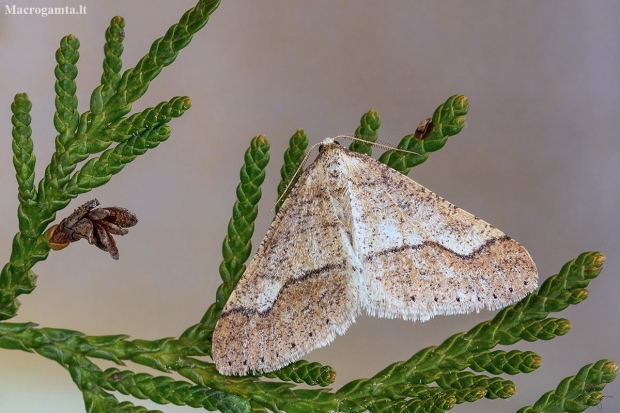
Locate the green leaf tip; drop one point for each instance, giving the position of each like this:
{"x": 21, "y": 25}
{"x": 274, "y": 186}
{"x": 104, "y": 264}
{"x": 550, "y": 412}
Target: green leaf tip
{"x": 67, "y": 53}
{"x": 303, "y": 371}
{"x": 24, "y": 159}
{"x": 293, "y": 157}
{"x": 66, "y": 116}
{"x": 137, "y": 134}
{"x": 164, "y": 51}
{"x": 512, "y": 362}
{"x": 369, "y": 125}
{"x": 237, "y": 244}
{"x": 123, "y": 129}
{"x": 166, "y": 390}
{"x": 577, "y": 393}
{"x": 448, "y": 120}
{"x": 495, "y": 387}
{"x": 112, "y": 63}
{"x": 439, "y": 402}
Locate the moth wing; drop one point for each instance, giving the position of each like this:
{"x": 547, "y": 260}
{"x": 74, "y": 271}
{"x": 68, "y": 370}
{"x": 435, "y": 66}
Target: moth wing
{"x": 105, "y": 242}
{"x": 113, "y": 228}
{"x": 300, "y": 290}
{"x": 82, "y": 229}
{"x": 121, "y": 217}
{"x": 98, "y": 214}
{"x": 422, "y": 255}
{"x": 80, "y": 212}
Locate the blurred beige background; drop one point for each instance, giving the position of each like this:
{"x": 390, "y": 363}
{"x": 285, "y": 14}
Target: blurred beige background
{"x": 539, "y": 159}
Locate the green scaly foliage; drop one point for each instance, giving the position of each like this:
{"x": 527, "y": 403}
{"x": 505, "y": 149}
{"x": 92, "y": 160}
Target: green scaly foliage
{"x": 367, "y": 130}
{"x": 293, "y": 157}
{"x": 107, "y": 138}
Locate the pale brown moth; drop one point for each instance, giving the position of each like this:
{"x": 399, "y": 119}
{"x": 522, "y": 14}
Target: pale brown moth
{"x": 355, "y": 235}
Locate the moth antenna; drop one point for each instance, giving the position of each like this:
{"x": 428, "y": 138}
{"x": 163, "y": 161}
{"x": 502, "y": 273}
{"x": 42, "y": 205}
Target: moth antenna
{"x": 300, "y": 168}
{"x": 379, "y": 143}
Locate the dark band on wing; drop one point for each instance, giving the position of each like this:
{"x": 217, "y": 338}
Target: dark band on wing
{"x": 318, "y": 271}
{"x": 308, "y": 274}
{"x": 437, "y": 245}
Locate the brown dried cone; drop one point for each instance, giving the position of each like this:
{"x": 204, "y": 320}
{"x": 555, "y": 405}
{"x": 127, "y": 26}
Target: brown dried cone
{"x": 424, "y": 128}
{"x": 96, "y": 225}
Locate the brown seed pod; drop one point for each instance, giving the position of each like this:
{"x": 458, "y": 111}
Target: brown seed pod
{"x": 424, "y": 128}
{"x": 96, "y": 225}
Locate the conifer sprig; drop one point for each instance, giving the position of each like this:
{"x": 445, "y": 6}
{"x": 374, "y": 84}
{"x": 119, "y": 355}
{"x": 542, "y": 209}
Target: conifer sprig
{"x": 577, "y": 393}
{"x": 23, "y": 152}
{"x": 165, "y": 390}
{"x": 369, "y": 125}
{"x": 448, "y": 120}
{"x": 112, "y": 63}
{"x": 238, "y": 242}
{"x": 83, "y": 135}
{"x": 16, "y": 277}
{"x": 403, "y": 386}
{"x": 510, "y": 325}
{"x": 66, "y": 116}
{"x": 434, "y": 379}
{"x": 293, "y": 157}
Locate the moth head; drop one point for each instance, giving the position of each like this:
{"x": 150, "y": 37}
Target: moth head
{"x": 327, "y": 142}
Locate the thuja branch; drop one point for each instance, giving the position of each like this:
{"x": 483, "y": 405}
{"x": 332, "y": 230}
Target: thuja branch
{"x": 368, "y": 131}
{"x": 83, "y": 135}
{"x": 28, "y": 247}
{"x": 524, "y": 320}
{"x": 237, "y": 244}
{"x": 293, "y": 157}
{"x": 433, "y": 380}
{"x": 577, "y": 393}
{"x": 402, "y": 386}
{"x": 73, "y": 349}
{"x": 448, "y": 120}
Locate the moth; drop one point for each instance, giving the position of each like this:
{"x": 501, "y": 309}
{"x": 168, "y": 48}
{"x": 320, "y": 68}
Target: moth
{"x": 94, "y": 224}
{"x": 355, "y": 235}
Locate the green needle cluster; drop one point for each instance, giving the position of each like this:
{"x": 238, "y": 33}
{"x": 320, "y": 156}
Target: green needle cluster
{"x": 448, "y": 120}
{"x": 462, "y": 369}
{"x": 367, "y": 130}
{"x": 293, "y": 157}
